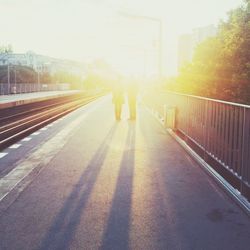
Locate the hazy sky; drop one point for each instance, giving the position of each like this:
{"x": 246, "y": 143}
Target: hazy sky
{"x": 89, "y": 29}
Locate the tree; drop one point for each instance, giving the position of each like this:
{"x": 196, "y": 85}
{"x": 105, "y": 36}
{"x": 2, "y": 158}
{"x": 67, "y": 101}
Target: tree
{"x": 6, "y": 49}
{"x": 221, "y": 65}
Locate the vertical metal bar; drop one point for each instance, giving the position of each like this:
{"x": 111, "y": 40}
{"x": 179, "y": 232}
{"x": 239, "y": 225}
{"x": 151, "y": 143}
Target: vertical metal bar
{"x": 198, "y": 121}
{"x": 206, "y": 128}
{"x": 221, "y": 132}
{"x": 203, "y": 124}
{"x": 231, "y": 136}
{"x": 217, "y": 152}
{"x": 237, "y": 158}
{"x": 218, "y": 143}
{"x": 224, "y": 134}
{"x": 247, "y": 143}
{"x": 209, "y": 126}
{"x": 213, "y": 128}
{"x": 228, "y": 135}
{"x": 234, "y": 148}
{"x": 240, "y": 141}
{"x": 244, "y": 150}
{"x": 217, "y": 137}
{"x": 189, "y": 115}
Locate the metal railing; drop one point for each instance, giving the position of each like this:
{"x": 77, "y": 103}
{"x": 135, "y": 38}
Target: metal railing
{"x": 218, "y": 131}
{"x": 7, "y": 89}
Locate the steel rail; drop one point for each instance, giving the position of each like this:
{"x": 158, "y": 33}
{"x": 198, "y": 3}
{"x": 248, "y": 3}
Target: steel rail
{"x": 27, "y": 126}
{"x": 58, "y": 101}
{"x": 26, "y": 120}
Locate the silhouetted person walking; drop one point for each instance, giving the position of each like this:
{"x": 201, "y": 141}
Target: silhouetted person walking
{"x": 132, "y": 90}
{"x": 118, "y": 100}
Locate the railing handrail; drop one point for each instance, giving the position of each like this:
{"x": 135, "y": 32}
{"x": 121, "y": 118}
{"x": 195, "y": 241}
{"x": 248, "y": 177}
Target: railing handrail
{"x": 216, "y": 130}
{"x": 209, "y": 99}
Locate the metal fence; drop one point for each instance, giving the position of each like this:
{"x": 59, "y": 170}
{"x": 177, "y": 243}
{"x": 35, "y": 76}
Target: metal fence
{"x": 218, "y": 131}
{"x": 7, "y": 89}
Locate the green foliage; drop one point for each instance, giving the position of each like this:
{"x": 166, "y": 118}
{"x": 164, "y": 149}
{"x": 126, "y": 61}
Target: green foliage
{"x": 100, "y": 75}
{"x": 6, "y": 49}
{"x": 221, "y": 65}
{"x": 93, "y": 81}
{"x": 65, "y": 77}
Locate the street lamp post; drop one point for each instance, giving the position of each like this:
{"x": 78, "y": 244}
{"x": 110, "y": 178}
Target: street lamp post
{"x": 8, "y": 79}
{"x": 159, "y": 22}
{"x": 38, "y": 77}
{"x": 15, "y": 77}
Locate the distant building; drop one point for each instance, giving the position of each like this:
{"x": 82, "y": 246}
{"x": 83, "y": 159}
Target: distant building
{"x": 202, "y": 33}
{"x": 42, "y": 63}
{"x": 188, "y": 42}
{"x": 185, "y": 49}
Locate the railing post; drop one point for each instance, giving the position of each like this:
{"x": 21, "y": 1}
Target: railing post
{"x": 245, "y": 151}
{"x": 205, "y": 130}
{"x": 188, "y": 115}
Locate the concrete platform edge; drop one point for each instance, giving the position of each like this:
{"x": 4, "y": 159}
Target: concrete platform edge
{"x": 32, "y": 166}
{"x": 32, "y": 100}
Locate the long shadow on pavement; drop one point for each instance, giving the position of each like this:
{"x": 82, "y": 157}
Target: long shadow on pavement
{"x": 116, "y": 235}
{"x": 59, "y": 235}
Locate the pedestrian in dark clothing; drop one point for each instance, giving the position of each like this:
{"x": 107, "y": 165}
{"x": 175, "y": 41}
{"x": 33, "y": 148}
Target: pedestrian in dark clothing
{"x": 132, "y": 90}
{"x": 118, "y": 100}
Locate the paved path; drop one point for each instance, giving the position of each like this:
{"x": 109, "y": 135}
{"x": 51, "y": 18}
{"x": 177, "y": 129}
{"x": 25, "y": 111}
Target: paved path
{"x": 125, "y": 185}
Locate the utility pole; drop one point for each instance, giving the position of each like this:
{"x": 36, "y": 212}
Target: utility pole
{"x": 8, "y": 78}
{"x": 15, "y": 76}
{"x": 38, "y": 77}
{"x": 15, "y": 89}
{"x": 145, "y": 63}
{"x": 159, "y": 22}
{"x": 160, "y": 48}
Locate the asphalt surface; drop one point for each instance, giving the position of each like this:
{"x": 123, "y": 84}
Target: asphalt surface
{"x": 116, "y": 185}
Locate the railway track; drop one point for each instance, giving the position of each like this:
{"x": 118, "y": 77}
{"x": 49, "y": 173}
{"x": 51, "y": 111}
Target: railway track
{"x": 18, "y": 125}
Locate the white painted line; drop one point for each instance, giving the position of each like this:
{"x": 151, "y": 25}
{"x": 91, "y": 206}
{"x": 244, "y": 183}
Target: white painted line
{"x": 40, "y": 157}
{"x": 3, "y": 154}
{"x": 36, "y": 133}
{"x": 27, "y": 139}
{"x": 50, "y": 125}
{"x": 15, "y": 146}
{"x": 43, "y": 129}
